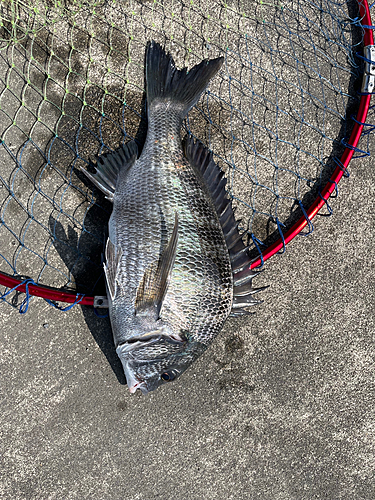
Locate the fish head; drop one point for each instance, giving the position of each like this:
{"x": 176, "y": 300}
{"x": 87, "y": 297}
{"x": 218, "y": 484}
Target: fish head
{"x": 157, "y": 361}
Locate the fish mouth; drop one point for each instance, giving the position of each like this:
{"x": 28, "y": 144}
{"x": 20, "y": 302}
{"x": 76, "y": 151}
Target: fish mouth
{"x": 133, "y": 383}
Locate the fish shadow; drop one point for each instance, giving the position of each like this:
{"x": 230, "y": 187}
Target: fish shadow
{"x": 82, "y": 252}
{"x": 83, "y": 258}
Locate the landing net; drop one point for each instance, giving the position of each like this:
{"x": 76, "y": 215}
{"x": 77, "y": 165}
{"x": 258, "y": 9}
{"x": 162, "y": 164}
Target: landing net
{"x": 278, "y": 117}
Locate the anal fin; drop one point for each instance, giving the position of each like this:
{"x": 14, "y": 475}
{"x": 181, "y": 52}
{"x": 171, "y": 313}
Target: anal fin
{"x": 108, "y": 167}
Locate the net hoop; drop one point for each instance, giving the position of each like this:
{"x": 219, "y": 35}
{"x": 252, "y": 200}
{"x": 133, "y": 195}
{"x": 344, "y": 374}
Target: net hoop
{"x": 53, "y": 294}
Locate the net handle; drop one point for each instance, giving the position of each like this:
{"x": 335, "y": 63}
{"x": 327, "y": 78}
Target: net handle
{"x": 45, "y": 292}
{"x": 368, "y": 39}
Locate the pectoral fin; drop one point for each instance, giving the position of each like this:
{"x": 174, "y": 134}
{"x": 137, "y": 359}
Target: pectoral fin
{"x": 112, "y": 259}
{"x": 153, "y": 286}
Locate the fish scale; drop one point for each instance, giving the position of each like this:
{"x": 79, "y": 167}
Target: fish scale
{"x": 159, "y": 188}
{"x": 175, "y": 265}
{"x": 163, "y": 182}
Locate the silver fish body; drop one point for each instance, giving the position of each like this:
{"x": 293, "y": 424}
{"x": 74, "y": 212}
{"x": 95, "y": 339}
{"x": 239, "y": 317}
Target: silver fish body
{"x": 171, "y": 276}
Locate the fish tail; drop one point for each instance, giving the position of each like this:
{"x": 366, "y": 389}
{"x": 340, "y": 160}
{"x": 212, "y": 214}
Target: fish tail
{"x": 166, "y": 82}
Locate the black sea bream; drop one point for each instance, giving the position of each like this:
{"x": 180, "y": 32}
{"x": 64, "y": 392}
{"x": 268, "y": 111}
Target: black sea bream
{"x": 176, "y": 266}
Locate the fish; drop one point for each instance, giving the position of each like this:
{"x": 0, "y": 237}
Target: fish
{"x": 176, "y": 266}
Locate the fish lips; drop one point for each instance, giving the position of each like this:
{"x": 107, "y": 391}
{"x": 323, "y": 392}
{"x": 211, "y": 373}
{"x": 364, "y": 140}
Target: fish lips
{"x": 133, "y": 383}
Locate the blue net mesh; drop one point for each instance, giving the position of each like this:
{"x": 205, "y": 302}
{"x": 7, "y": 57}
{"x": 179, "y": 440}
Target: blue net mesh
{"x": 72, "y": 87}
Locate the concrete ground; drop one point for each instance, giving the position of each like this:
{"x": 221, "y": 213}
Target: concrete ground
{"x": 281, "y": 407}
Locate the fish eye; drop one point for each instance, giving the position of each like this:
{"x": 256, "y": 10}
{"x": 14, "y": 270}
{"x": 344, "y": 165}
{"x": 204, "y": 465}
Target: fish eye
{"x": 168, "y": 376}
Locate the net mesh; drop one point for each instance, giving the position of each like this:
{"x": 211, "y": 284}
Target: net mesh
{"x": 72, "y": 87}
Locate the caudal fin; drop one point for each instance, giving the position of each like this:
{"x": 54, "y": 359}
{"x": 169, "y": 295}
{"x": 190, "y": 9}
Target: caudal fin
{"x": 166, "y": 82}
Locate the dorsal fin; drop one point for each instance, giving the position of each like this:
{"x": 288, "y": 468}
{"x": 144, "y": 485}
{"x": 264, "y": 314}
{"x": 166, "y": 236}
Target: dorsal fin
{"x": 109, "y": 165}
{"x": 153, "y": 286}
{"x": 201, "y": 159}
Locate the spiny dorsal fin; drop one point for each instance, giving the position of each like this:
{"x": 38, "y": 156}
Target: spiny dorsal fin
{"x": 112, "y": 259}
{"x": 201, "y": 159}
{"x": 108, "y": 167}
{"x": 153, "y": 286}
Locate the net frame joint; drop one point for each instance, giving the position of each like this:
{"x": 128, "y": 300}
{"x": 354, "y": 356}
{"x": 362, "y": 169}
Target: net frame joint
{"x": 101, "y": 302}
{"x": 368, "y": 82}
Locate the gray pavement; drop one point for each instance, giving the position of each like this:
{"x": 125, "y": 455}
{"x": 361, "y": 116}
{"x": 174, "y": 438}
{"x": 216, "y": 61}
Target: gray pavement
{"x": 281, "y": 407}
